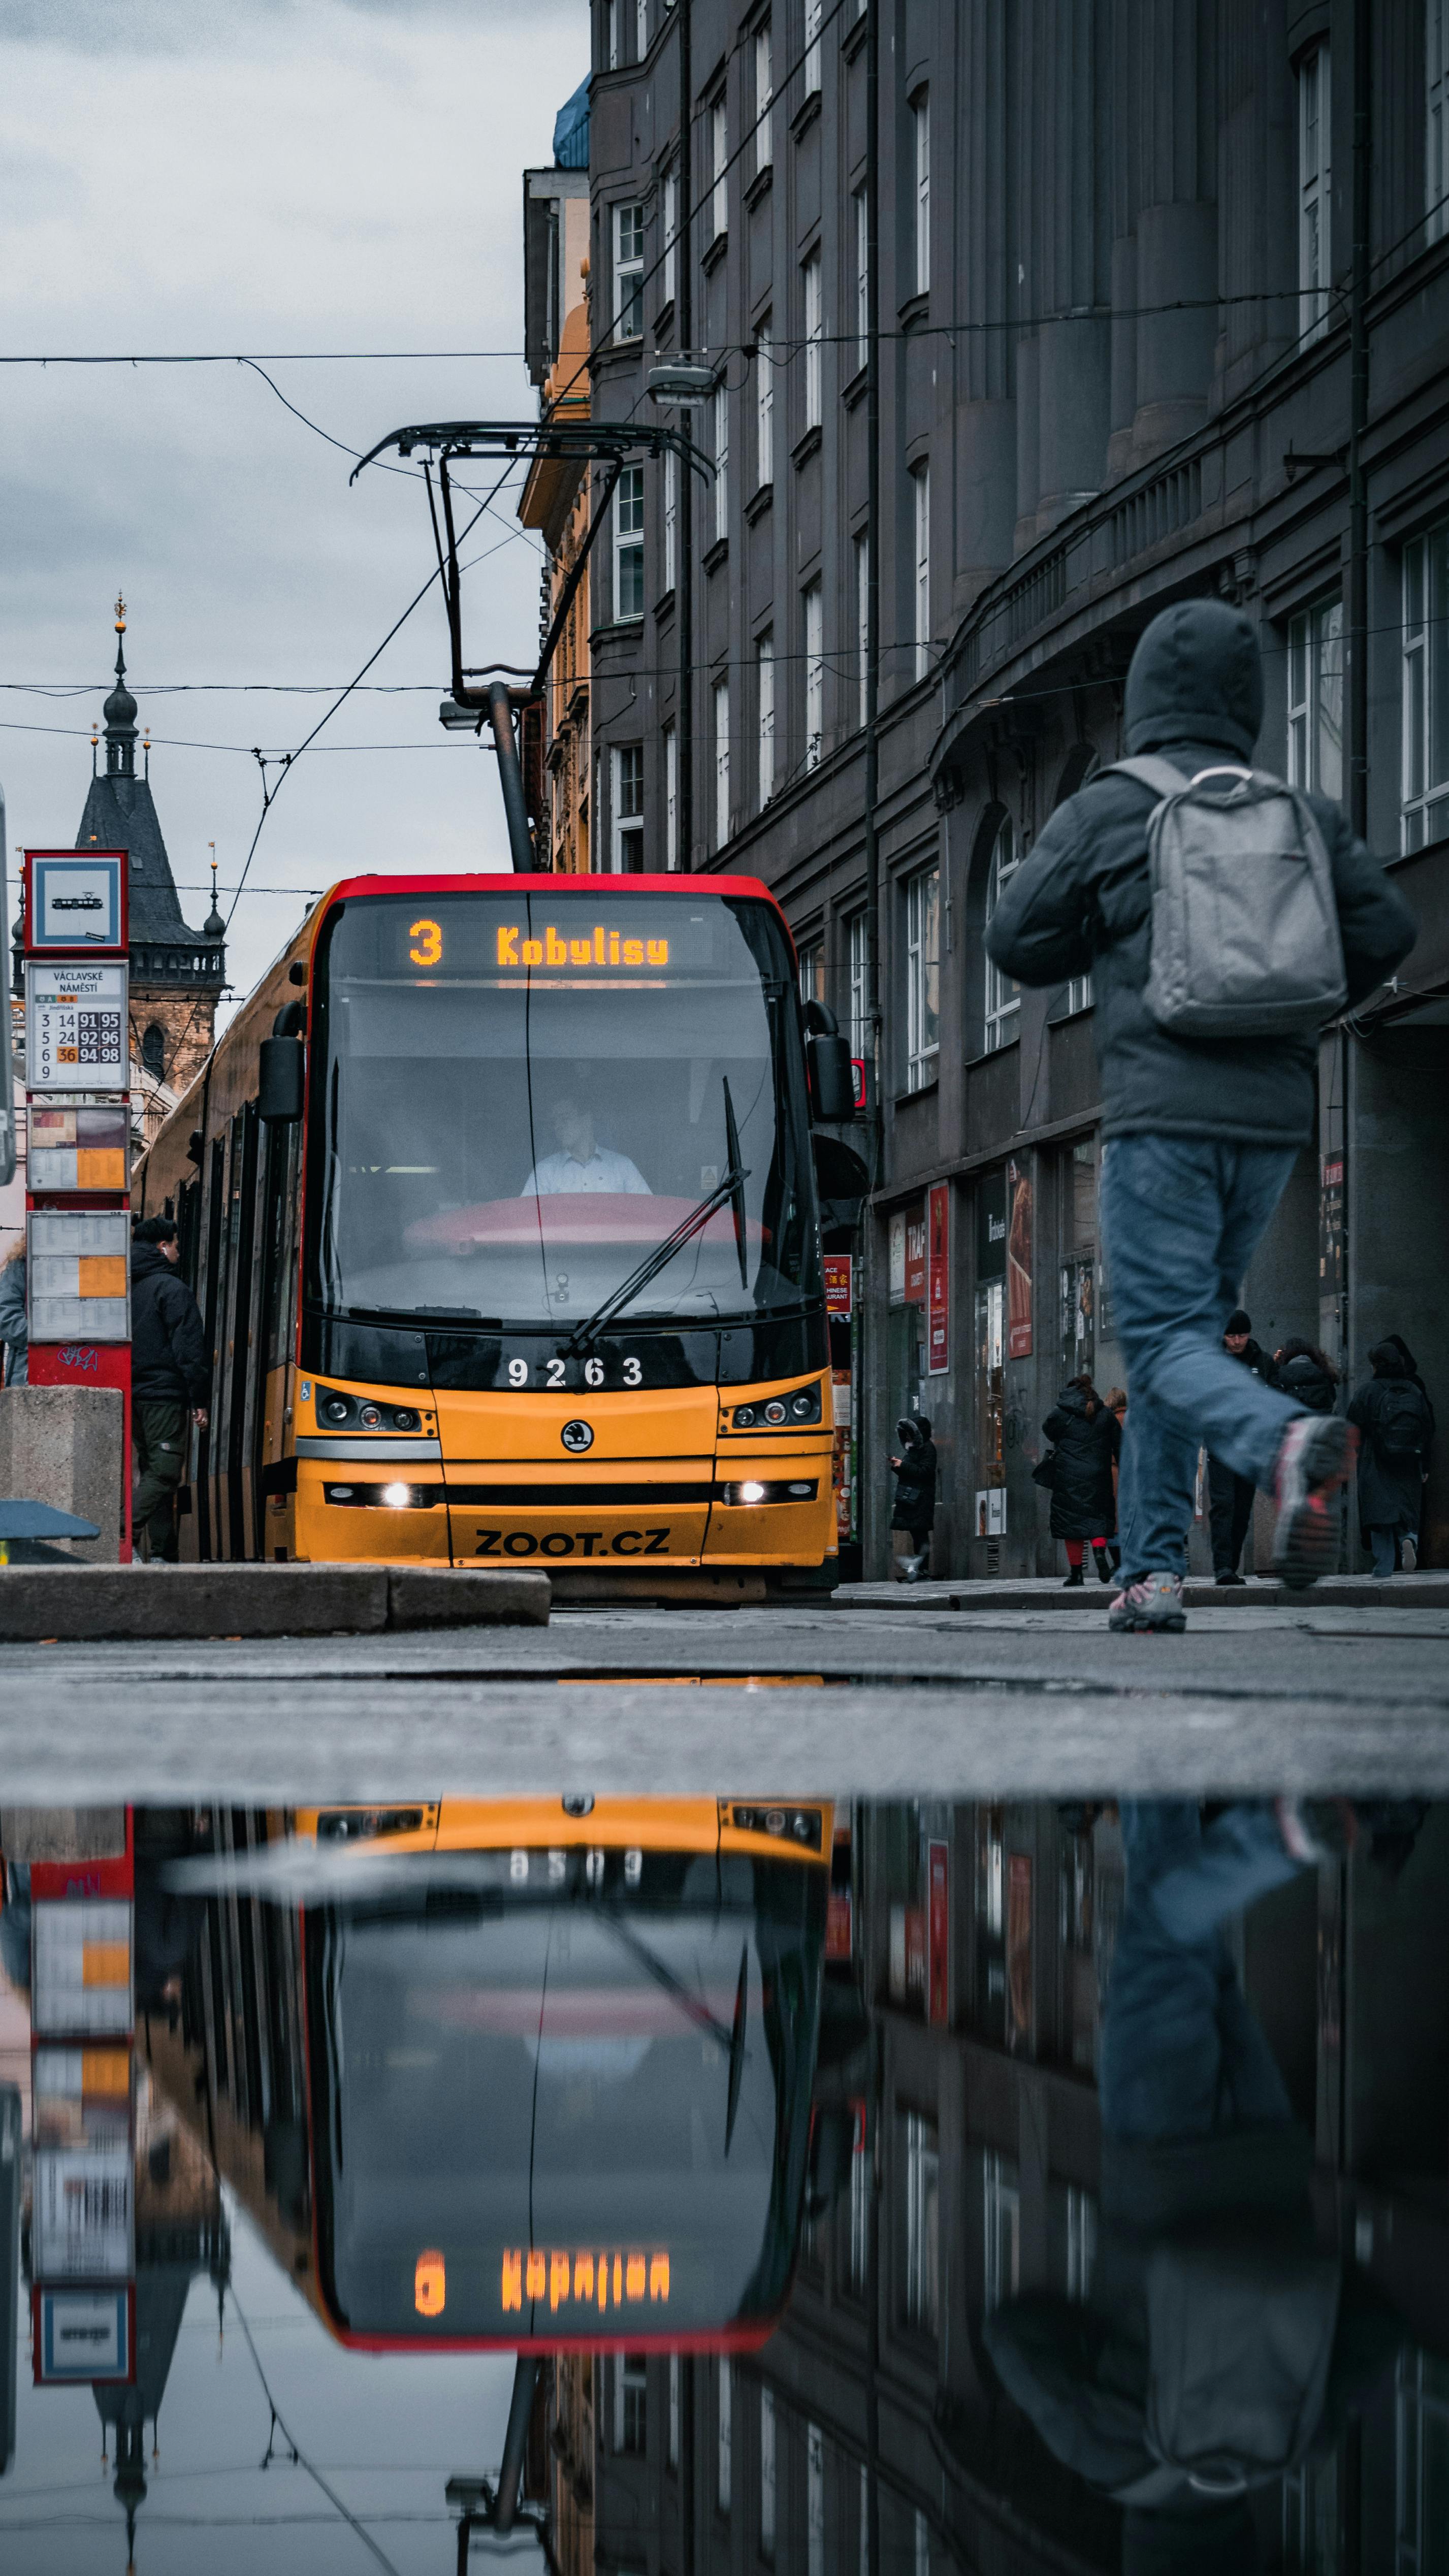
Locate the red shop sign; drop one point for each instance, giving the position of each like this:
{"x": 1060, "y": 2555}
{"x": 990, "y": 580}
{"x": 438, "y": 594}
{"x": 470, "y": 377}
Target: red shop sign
{"x": 938, "y": 1280}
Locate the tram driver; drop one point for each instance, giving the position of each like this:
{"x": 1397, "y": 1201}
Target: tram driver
{"x": 581, "y": 1163}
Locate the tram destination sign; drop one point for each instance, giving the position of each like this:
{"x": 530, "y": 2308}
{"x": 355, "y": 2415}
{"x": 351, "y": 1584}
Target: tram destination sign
{"x": 76, "y": 1026}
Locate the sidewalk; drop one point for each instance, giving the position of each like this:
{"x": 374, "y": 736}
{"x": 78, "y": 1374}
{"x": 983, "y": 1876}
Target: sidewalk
{"x": 1048, "y": 1592}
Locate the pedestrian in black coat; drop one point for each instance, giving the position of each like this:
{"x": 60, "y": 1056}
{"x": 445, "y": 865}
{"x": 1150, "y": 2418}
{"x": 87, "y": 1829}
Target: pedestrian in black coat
{"x": 914, "y": 1510}
{"x": 1306, "y": 1373}
{"x": 1230, "y": 1496}
{"x": 1397, "y": 1422}
{"x": 1084, "y": 1433}
{"x": 170, "y": 1378}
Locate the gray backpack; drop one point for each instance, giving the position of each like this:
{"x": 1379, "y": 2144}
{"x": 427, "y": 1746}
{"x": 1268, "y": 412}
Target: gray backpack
{"x": 1245, "y": 939}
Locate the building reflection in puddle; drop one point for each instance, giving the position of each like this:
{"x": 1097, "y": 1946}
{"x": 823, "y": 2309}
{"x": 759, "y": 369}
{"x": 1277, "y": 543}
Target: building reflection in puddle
{"x": 892, "y": 2186}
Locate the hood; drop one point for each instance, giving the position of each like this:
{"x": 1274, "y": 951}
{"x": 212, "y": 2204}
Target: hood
{"x": 1196, "y": 676}
{"x": 1072, "y": 1399}
{"x": 146, "y": 1258}
{"x": 1386, "y": 1359}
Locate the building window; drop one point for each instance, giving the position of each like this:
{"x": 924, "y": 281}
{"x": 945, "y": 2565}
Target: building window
{"x": 719, "y": 148}
{"x": 923, "y": 2545}
{"x": 814, "y": 12}
{"x": 923, "y": 2178}
{"x": 922, "y": 977}
{"x": 765, "y": 672}
{"x": 857, "y": 943}
{"x": 725, "y": 2452}
{"x": 921, "y": 125}
{"x": 629, "y": 544}
{"x": 671, "y": 229}
{"x": 1003, "y": 997}
{"x": 612, "y": 12}
{"x": 814, "y": 675}
{"x": 671, "y": 518}
{"x": 858, "y": 2256}
{"x": 153, "y": 1051}
{"x": 862, "y": 622}
{"x": 626, "y": 795}
{"x": 1436, "y": 83}
{"x": 814, "y": 329}
{"x": 721, "y": 461}
{"x": 1315, "y": 698}
{"x": 764, "y": 404}
{"x": 1315, "y": 193}
{"x": 628, "y": 272}
{"x": 814, "y": 2501}
{"x": 630, "y": 2402}
{"x": 674, "y": 2410}
{"x": 810, "y": 971}
{"x": 671, "y": 797}
{"x": 1426, "y": 689}
{"x": 1081, "y": 2242}
{"x": 1001, "y": 2228}
{"x": 641, "y": 28}
{"x": 764, "y": 96}
{"x": 767, "y": 2474}
{"x": 921, "y": 482}
{"x": 861, "y": 204}
{"x": 721, "y": 763}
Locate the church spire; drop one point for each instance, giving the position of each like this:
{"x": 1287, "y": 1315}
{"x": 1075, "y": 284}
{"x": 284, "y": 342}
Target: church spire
{"x": 120, "y": 710}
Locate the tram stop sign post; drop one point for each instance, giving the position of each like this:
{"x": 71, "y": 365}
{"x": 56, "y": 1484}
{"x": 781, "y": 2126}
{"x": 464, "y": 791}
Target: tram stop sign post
{"x": 77, "y": 1083}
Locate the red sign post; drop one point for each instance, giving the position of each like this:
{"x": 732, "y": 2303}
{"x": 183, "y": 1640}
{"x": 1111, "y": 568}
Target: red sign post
{"x": 938, "y": 1280}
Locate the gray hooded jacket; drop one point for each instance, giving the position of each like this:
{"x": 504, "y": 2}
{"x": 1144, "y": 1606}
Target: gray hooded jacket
{"x": 1082, "y": 901}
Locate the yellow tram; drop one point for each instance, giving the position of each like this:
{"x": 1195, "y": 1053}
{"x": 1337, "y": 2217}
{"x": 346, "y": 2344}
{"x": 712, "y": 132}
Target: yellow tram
{"x": 499, "y": 1201}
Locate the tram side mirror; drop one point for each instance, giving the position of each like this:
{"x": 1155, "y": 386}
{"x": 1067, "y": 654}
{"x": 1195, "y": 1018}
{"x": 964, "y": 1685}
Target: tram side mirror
{"x": 279, "y": 1091}
{"x": 832, "y": 1082}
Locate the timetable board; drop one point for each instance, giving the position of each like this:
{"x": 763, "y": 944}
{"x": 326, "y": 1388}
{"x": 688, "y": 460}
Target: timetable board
{"x": 76, "y": 1027}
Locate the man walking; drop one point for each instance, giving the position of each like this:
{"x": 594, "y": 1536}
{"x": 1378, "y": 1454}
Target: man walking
{"x": 1230, "y": 1495}
{"x": 1201, "y": 1132}
{"x": 170, "y": 1376}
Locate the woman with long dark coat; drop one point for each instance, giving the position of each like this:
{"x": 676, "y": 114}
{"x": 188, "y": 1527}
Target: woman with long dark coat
{"x": 1084, "y": 1434}
{"x": 1396, "y": 1423}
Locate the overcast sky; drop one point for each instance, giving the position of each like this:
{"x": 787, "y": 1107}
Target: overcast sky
{"x": 268, "y": 176}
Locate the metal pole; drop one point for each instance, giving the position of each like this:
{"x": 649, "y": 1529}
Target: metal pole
{"x": 510, "y": 776}
{"x": 684, "y": 319}
{"x": 1358, "y": 398}
{"x": 874, "y": 1047}
{"x": 515, "y": 2442}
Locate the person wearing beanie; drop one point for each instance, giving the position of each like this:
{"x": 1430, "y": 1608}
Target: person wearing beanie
{"x": 1397, "y": 1422}
{"x": 1231, "y": 1495}
{"x": 1200, "y": 1134}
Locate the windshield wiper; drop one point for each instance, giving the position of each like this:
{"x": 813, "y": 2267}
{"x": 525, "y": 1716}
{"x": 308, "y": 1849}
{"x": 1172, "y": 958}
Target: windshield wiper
{"x": 422, "y": 1316}
{"x": 731, "y": 1188}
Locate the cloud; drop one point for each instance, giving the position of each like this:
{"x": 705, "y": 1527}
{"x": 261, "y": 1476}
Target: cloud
{"x": 295, "y": 175}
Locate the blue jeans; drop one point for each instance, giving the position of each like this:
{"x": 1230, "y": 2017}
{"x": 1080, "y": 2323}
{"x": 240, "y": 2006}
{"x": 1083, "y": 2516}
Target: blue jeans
{"x": 1181, "y": 1219}
{"x": 1183, "y": 2054}
{"x": 1384, "y": 1543}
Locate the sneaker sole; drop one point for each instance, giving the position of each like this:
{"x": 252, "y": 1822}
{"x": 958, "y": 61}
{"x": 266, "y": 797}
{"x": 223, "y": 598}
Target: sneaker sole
{"x": 1149, "y": 1627}
{"x": 1305, "y": 1537}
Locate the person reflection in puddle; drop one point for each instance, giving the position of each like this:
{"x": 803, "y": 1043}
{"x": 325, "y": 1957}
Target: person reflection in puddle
{"x": 1219, "y": 2344}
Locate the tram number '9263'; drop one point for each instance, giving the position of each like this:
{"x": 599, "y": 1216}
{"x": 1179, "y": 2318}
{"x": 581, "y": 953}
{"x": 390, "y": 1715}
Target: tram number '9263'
{"x": 628, "y": 1542}
{"x": 554, "y": 1373}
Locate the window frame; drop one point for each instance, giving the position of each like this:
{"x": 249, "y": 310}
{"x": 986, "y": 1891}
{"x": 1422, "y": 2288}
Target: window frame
{"x": 669, "y": 222}
{"x": 812, "y": 601}
{"x": 814, "y": 12}
{"x": 764, "y": 402}
{"x": 719, "y": 155}
{"x": 720, "y": 702}
{"x": 860, "y": 550}
{"x": 671, "y": 799}
{"x": 764, "y": 55}
{"x": 921, "y": 581}
{"x": 1311, "y": 638}
{"x": 626, "y": 819}
{"x": 923, "y": 957}
{"x": 860, "y": 200}
{"x": 1315, "y": 192}
{"x": 1001, "y": 1000}
{"x": 724, "y": 2438}
{"x": 628, "y": 541}
{"x": 671, "y": 518}
{"x": 628, "y": 271}
{"x": 1436, "y": 119}
{"x": 921, "y": 216}
{"x": 812, "y": 290}
{"x": 857, "y": 952}
{"x": 765, "y": 737}
{"x": 720, "y": 434}
{"x": 1423, "y": 799}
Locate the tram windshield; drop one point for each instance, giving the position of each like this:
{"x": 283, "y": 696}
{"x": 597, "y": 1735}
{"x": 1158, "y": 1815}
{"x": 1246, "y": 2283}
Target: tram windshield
{"x": 592, "y": 2115}
{"x": 519, "y": 1098}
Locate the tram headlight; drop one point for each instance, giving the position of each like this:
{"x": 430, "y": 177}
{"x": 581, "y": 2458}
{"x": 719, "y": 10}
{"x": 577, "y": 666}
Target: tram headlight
{"x": 797, "y": 1407}
{"x": 397, "y": 1497}
{"x": 370, "y": 1417}
{"x": 799, "y": 1825}
{"x": 752, "y": 1489}
{"x": 748, "y": 1493}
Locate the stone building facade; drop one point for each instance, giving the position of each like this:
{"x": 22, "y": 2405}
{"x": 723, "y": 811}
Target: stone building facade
{"x": 1024, "y": 322}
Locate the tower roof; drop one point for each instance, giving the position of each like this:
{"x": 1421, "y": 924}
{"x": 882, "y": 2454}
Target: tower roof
{"x": 120, "y": 814}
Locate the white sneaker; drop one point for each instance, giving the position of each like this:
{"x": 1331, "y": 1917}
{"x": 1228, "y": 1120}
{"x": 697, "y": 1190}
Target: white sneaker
{"x": 1151, "y": 1605}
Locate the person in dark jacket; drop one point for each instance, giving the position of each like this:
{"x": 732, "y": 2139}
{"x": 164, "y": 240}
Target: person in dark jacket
{"x": 1083, "y": 1434}
{"x": 170, "y": 1376}
{"x": 1200, "y": 1134}
{"x": 914, "y": 1511}
{"x": 1306, "y": 1373}
{"x": 1271, "y": 2335}
{"x": 14, "y": 1331}
{"x": 1231, "y": 1495}
{"x": 1397, "y": 1421}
